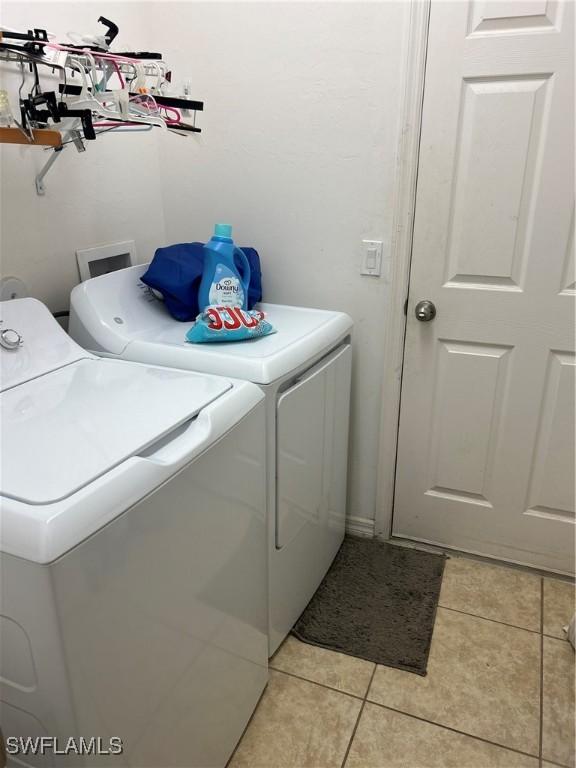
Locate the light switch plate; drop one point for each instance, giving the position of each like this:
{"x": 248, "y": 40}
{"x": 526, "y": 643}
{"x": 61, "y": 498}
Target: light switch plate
{"x": 371, "y": 258}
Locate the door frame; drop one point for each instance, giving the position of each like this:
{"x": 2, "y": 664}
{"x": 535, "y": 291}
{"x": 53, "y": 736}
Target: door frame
{"x": 394, "y": 321}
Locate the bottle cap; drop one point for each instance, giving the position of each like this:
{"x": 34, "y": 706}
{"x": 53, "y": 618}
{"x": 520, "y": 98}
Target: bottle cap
{"x": 223, "y": 230}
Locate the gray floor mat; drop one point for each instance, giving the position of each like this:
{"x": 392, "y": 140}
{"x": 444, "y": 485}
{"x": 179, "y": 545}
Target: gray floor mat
{"x": 377, "y": 602}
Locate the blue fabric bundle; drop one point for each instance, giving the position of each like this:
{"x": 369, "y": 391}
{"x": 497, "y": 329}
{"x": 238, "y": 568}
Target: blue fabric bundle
{"x": 176, "y": 272}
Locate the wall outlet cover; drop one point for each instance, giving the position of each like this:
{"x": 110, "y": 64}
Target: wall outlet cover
{"x": 93, "y": 262}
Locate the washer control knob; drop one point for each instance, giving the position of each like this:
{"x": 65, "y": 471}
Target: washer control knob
{"x": 10, "y": 339}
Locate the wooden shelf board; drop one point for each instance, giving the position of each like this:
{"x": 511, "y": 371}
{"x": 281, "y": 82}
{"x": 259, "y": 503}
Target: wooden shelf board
{"x": 43, "y": 137}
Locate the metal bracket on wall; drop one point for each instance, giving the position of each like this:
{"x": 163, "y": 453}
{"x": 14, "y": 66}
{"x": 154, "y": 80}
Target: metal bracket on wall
{"x": 73, "y": 135}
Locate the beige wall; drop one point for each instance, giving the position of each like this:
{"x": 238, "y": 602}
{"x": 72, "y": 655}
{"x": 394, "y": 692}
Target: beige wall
{"x": 299, "y": 153}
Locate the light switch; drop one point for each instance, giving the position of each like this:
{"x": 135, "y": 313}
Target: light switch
{"x": 371, "y": 258}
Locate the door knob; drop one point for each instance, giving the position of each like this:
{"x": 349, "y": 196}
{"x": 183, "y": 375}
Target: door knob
{"x": 425, "y": 311}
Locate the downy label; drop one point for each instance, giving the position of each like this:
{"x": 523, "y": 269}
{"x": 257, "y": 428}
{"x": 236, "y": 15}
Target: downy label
{"x": 226, "y": 288}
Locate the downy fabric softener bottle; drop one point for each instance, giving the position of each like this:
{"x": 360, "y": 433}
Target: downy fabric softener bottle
{"x": 223, "y": 284}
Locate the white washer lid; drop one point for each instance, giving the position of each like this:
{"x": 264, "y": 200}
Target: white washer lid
{"x": 62, "y": 430}
{"x": 116, "y": 314}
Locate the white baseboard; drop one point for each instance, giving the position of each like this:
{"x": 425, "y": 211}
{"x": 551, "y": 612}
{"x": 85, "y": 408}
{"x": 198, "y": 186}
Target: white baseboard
{"x": 360, "y": 526}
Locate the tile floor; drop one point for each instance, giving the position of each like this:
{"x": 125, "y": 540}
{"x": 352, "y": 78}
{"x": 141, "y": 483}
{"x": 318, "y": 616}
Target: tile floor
{"x": 499, "y": 691}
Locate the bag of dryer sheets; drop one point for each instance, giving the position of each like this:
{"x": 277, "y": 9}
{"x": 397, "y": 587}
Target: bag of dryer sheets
{"x": 228, "y": 324}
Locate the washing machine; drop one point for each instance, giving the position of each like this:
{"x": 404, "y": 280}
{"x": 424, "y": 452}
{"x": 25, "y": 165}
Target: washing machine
{"x": 133, "y": 614}
{"x": 304, "y": 371}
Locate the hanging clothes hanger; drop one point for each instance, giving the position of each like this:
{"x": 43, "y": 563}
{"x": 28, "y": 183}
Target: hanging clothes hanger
{"x": 113, "y": 91}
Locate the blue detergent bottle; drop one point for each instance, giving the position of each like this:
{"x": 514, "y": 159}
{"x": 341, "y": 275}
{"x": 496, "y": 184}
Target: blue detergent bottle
{"x": 222, "y": 283}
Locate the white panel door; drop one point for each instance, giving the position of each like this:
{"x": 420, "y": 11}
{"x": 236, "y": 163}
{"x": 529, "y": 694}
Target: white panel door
{"x": 486, "y": 442}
